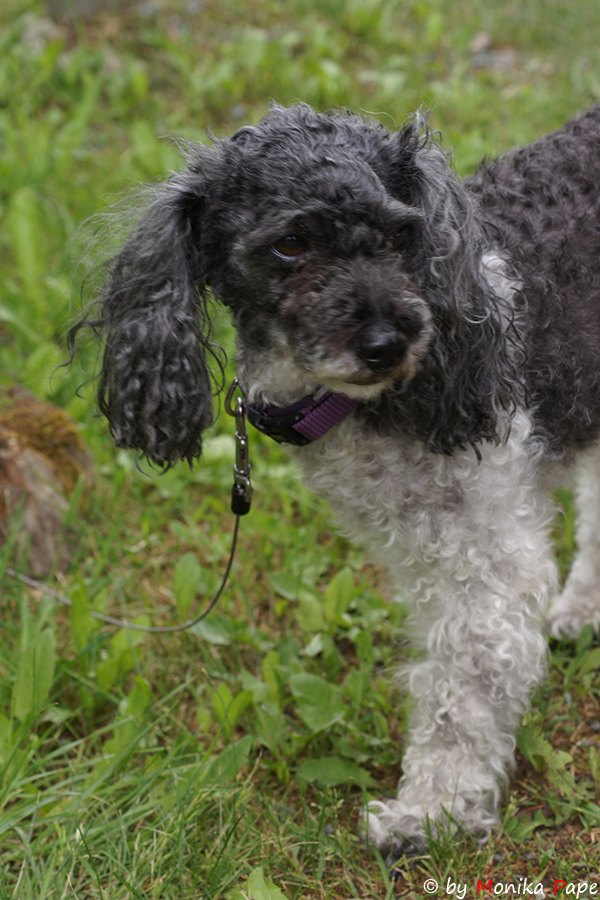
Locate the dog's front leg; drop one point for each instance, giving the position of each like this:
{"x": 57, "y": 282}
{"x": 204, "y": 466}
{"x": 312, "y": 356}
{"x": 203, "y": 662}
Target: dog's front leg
{"x": 469, "y": 691}
{"x": 478, "y": 591}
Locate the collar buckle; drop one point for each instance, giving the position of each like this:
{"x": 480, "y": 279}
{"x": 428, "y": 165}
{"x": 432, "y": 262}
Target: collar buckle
{"x": 278, "y": 427}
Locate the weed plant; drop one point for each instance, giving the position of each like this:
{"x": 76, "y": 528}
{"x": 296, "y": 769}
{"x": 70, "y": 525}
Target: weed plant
{"x": 231, "y": 761}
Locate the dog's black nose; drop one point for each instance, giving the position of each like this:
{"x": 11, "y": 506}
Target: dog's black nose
{"x": 381, "y": 350}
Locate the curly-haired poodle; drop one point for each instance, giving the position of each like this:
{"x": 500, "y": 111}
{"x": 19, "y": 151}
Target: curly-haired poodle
{"x": 430, "y": 350}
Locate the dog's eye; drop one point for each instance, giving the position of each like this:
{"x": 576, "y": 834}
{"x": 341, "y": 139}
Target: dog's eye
{"x": 289, "y": 246}
{"x": 401, "y": 238}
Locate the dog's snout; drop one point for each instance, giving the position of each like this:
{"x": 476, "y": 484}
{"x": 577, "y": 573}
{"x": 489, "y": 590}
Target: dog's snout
{"x": 381, "y": 349}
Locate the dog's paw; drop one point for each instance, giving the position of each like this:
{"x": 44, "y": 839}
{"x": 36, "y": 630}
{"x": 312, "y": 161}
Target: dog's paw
{"x": 571, "y": 610}
{"x": 399, "y": 829}
{"x": 393, "y": 831}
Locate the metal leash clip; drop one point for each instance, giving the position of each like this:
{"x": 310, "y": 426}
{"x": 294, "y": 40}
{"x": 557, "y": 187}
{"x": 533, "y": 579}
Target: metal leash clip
{"x": 241, "y": 492}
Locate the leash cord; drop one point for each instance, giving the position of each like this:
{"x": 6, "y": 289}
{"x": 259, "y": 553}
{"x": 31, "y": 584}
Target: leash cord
{"x": 121, "y": 623}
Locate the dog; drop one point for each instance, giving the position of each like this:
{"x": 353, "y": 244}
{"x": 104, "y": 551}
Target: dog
{"x": 429, "y": 349}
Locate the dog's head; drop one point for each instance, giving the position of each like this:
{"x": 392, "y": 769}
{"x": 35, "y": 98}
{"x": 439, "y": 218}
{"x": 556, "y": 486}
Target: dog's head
{"x": 347, "y": 255}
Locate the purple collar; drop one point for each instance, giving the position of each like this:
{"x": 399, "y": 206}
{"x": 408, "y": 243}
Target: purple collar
{"x": 303, "y": 421}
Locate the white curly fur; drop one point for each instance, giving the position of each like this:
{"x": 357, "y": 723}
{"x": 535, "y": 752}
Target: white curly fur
{"x": 467, "y": 544}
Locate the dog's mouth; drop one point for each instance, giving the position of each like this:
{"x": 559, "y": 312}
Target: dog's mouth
{"x": 357, "y": 390}
{"x": 360, "y": 385}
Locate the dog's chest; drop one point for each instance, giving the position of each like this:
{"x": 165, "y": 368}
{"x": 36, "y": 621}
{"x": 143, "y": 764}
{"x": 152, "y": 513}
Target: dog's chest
{"x": 414, "y": 507}
{"x": 382, "y": 485}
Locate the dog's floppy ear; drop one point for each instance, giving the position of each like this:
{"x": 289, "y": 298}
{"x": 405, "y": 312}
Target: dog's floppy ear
{"x": 154, "y": 386}
{"x": 468, "y": 377}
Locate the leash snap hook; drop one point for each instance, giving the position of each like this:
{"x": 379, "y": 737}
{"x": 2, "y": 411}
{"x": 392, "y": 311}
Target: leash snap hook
{"x": 241, "y": 492}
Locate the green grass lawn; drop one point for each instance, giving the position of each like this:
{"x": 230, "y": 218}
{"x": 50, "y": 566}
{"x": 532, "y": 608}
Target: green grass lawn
{"x": 232, "y": 760}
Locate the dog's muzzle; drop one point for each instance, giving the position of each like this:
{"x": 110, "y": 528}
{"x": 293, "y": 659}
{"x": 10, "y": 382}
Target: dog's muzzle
{"x": 380, "y": 350}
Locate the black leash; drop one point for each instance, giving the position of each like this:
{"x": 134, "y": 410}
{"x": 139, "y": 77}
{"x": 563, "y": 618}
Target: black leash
{"x": 241, "y": 498}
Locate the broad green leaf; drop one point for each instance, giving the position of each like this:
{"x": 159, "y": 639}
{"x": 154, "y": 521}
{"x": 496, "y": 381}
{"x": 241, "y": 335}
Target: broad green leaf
{"x": 318, "y": 719}
{"x": 186, "y": 579}
{"x": 227, "y": 708}
{"x": 203, "y": 717}
{"x": 228, "y": 763}
{"x": 270, "y": 727}
{"x": 260, "y": 691}
{"x": 257, "y": 888}
{"x": 285, "y": 585}
{"x": 314, "y": 689}
{"x": 339, "y": 594}
{"x": 23, "y": 225}
{"x": 533, "y": 745}
{"x": 363, "y": 643}
{"x": 590, "y": 662}
{"x": 5, "y": 737}
{"x": 126, "y": 639}
{"x": 221, "y": 700}
{"x": 357, "y": 684}
{"x": 80, "y": 622}
{"x": 140, "y": 697}
{"x": 121, "y": 658}
{"x": 585, "y": 640}
{"x": 309, "y": 612}
{"x": 34, "y": 674}
{"x": 319, "y": 705}
{"x": 333, "y": 770}
{"x": 590, "y": 814}
{"x": 130, "y": 720}
{"x": 261, "y": 889}
{"x": 521, "y": 830}
{"x": 123, "y": 738}
{"x": 108, "y": 672}
{"x": 542, "y": 755}
{"x": 214, "y": 629}
{"x": 273, "y": 675}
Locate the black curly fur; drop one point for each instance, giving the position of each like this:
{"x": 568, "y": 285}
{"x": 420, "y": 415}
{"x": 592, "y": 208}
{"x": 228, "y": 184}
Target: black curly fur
{"x": 541, "y": 207}
{"x": 153, "y": 315}
{"x": 383, "y": 218}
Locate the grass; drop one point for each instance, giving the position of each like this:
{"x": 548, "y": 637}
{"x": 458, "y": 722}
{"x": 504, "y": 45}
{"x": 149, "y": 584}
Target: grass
{"x": 232, "y": 760}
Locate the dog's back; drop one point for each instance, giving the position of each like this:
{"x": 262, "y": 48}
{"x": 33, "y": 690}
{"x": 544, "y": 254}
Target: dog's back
{"x": 540, "y": 206}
